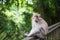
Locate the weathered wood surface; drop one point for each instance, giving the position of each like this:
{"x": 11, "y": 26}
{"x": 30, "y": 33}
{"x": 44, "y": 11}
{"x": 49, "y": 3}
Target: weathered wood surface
{"x": 51, "y": 33}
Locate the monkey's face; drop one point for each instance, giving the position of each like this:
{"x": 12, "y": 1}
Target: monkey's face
{"x": 36, "y": 17}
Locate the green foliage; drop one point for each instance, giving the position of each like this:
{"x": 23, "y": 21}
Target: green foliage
{"x": 13, "y": 22}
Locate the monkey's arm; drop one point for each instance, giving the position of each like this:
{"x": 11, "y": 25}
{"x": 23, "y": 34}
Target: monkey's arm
{"x": 32, "y": 32}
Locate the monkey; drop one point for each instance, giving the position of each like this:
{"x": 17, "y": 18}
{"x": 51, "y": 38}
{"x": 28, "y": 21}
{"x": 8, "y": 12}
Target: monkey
{"x": 39, "y": 27}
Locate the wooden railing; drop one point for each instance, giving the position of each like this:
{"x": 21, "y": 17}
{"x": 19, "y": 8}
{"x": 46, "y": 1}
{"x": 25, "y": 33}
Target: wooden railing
{"x": 53, "y": 33}
{"x": 53, "y": 27}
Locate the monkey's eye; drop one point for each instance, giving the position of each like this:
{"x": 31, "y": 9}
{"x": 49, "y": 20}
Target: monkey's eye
{"x": 36, "y": 16}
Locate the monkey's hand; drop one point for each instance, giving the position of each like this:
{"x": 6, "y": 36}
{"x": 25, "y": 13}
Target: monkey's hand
{"x": 26, "y": 34}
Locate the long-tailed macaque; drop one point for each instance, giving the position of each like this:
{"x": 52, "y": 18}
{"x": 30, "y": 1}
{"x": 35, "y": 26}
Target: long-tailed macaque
{"x": 39, "y": 26}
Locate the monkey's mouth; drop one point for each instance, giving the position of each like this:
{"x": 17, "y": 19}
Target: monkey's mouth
{"x": 36, "y": 21}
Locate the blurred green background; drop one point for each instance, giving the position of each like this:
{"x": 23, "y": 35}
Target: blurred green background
{"x": 15, "y": 16}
